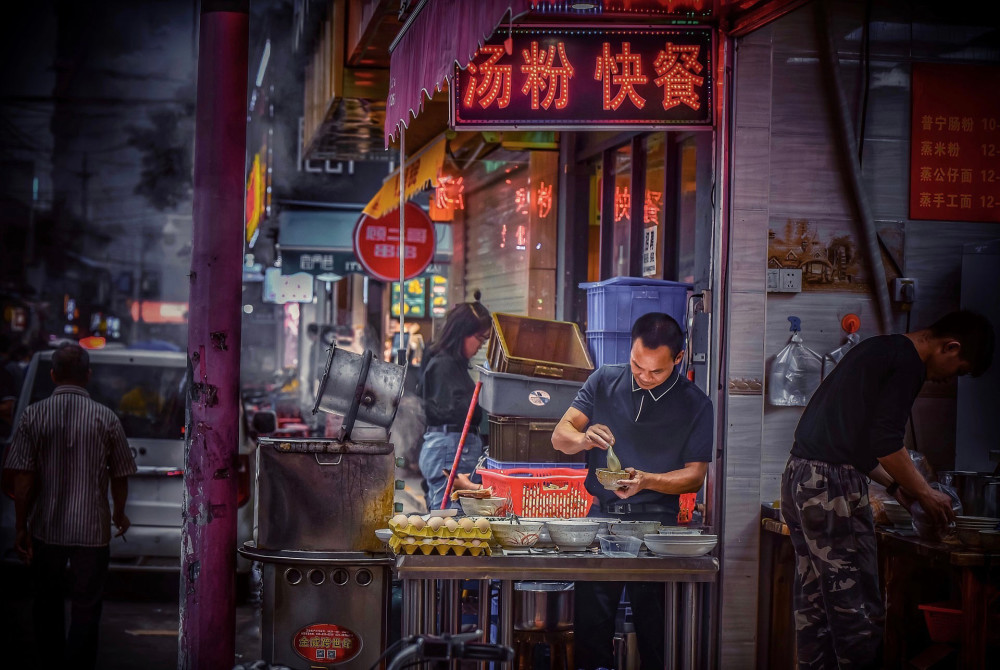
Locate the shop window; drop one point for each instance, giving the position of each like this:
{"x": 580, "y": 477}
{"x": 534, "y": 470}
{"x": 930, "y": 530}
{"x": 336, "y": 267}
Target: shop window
{"x": 687, "y": 178}
{"x": 655, "y": 199}
{"x": 621, "y": 210}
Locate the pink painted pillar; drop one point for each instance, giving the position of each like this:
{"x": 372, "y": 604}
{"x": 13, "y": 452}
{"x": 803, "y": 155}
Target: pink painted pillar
{"x": 208, "y": 540}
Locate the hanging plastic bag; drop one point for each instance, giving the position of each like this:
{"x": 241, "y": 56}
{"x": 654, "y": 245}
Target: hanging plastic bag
{"x": 922, "y": 523}
{"x": 796, "y": 372}
{"x": 849, "y": 323}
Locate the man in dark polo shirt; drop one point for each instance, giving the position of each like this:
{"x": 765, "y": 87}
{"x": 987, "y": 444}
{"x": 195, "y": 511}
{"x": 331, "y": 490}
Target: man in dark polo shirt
{"x": 661, "y": 427}
{"x": 853, "y": 429}
{"x": 67, "y": 451}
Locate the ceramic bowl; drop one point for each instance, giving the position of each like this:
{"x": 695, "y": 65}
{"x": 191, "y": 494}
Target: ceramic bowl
{"x": 666, "y": 545}
{"x": 572, "y": 535}
{"x": 483, "y": 506}
{"x": 605, "y": 523}
{"x": 990, "y": 540}
{"x": 384, "y": 534}
{"x": 609, "y": 478}
{"x": 515, "y": 535}
{"x": 637, "y": 529}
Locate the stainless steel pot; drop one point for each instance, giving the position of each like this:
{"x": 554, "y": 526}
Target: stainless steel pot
{"x": 974, "y": 490}
{"x": 543, "y": 606}
{"x": 361, "y": 387}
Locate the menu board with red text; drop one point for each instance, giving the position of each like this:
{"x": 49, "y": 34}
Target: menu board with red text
{"x": 955, "y": 143}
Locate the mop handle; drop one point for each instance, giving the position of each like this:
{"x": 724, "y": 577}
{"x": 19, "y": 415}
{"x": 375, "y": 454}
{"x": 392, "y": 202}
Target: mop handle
{"x": 461, "y": 445}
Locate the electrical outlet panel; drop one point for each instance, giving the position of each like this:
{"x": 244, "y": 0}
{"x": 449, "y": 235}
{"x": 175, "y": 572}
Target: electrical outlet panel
{"x": 790, "y": 280}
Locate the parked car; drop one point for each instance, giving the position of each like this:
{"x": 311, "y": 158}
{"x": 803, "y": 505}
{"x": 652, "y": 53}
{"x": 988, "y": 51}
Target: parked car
{"x": 147, "y": 390}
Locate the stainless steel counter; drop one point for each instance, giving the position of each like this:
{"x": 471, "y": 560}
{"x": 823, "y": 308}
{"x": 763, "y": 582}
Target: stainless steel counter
{"x": 425, "y": 600}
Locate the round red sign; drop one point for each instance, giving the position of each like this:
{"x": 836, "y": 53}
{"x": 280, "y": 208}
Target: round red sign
{"x": 376, "y": 243}
{"x": 326, "y": 643}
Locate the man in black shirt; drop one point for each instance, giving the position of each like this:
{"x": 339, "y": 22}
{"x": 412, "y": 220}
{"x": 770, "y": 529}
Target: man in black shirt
{"x": 853, "y": 429}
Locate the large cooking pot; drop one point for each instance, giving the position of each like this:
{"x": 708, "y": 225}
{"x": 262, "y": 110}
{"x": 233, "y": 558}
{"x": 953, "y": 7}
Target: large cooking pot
{"x": 360, "y": 387}
{"x": 974, "y": 490}
{"x": 543, "y": 606}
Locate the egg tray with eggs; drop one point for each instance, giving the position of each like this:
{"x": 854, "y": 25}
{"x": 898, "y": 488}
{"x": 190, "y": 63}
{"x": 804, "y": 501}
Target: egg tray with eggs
{"x": 439, "y": 545}
{"x": 467, "y": 528}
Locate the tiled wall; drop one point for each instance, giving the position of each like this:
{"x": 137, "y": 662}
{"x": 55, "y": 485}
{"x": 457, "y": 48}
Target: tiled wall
{"x": 785, "y": 167}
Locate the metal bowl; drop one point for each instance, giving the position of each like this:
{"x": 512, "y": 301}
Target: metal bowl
{"x": 572, "y": 535}
{"x": 512, "y": 535}
{"x": 609, "y": 478}
{"x": 543, "y": 606}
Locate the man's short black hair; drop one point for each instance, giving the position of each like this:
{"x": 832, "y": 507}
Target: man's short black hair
{"x": 657, "y": 329}
{"x": 71, "y": 364}
{"x": 312, "y": 329}
{"x": 974, "y": 332}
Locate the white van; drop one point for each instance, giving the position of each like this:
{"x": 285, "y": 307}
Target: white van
{"x": 146, "y": 389}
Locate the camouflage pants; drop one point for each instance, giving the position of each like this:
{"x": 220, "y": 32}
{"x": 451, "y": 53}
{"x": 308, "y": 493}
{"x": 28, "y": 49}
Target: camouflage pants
{"x": 838, "y": 606}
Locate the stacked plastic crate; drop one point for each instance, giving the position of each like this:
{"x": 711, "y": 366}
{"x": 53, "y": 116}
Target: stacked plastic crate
{"x": 614, "y": 304}
{"x": 536, "y": 367}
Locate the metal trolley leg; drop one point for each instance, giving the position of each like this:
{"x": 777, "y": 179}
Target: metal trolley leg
{"x": 670, "y": 622}
{"x": 413, "y": 607}
{"x": 689, "y": 647}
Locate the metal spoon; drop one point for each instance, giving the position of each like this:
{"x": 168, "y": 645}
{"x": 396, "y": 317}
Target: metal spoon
{"x": 613, "y": 462}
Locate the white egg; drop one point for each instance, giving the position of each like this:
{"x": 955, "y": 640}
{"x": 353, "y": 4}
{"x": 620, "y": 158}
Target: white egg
{"x": 483, "y": 524}
{"x": 451, "y": 524}
{"x": 435, "y": 522}
{"x": 476, "y": 543}
{"x": 416, "y": 521}
{"x": 427, "y": 540}
{"x": 466, "y": 524}
{"x": 400, "y": 520}
{"x": 410, "y": 540}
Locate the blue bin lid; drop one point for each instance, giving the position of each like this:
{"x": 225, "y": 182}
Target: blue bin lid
{"x": 633, "y": 281}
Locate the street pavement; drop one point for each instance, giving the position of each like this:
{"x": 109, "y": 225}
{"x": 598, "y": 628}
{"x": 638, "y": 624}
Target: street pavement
{"x": 138, "y": 626}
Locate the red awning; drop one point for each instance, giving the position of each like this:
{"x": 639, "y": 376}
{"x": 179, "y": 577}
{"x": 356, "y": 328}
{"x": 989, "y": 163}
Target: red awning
{"x": 442, "y": 33}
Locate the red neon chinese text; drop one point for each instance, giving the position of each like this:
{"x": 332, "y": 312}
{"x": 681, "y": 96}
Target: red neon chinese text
{"x": 544, "y": 199}
{"x": 494, "y": 82}
{"x": 623, "y": 203}
{"x": 651, "y": 208}
{"x": 626, "y": 79}
{"x": 521, "y": 197}
{"x": 678, "y": 68}
{"x": 448, "y": 192}
{"x": 542, "y": 75}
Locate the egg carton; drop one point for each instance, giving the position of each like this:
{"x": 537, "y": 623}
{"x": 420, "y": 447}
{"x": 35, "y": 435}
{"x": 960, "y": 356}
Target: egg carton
{"x": 409, "y": 530}
{"x": 439, "y": 546}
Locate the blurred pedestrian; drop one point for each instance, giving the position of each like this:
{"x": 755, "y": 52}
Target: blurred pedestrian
{"x": 66, "y": 452}
{"x": 447, "y": 388}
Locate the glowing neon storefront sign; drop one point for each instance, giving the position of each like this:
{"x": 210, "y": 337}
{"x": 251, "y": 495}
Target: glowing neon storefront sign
{"x": 591, "y": 77}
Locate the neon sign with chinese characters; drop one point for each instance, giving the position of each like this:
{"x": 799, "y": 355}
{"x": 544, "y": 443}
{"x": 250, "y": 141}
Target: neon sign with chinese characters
{"x": 587, "y": 77}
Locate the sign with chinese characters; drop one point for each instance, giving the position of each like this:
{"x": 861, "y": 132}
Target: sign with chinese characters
{"x": 376, "y": 243}
{"x": 587, "y": 77}
{"x": 649, "y": 251}
{"x": 280, "y": 288}
{"x": 955, "y": 143}
{"x": 413, "y": 298}
{"x": 319, "y": 262}
{"x": 326, "y": 643}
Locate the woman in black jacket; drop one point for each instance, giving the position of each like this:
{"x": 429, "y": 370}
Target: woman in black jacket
{"x": 447, "y": 391}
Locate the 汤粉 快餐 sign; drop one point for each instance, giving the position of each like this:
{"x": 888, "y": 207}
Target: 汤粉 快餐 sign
{"x": 587, "y": 77}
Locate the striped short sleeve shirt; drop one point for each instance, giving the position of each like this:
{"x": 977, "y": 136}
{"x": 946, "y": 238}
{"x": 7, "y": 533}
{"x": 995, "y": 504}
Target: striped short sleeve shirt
{"x": 74, "y": 445}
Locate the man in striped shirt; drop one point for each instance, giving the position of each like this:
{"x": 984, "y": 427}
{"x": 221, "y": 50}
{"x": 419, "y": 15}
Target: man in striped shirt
{"x": 64, "y": 453}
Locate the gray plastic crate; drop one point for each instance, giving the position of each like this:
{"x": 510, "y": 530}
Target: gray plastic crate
{"x": 504, "y": 394}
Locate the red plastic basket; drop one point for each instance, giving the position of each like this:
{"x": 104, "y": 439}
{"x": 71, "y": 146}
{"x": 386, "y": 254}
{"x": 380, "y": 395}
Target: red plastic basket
{"x": 541, "y": 492}
{"x": 943, "y": 623}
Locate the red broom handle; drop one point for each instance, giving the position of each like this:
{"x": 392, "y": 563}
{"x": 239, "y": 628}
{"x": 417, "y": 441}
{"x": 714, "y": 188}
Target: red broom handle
{"x": 461, "y": 445}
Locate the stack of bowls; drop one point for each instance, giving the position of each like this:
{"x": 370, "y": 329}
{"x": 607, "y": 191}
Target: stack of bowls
{"x": 681, "y": 545}
{"x": 636, "y": 529}
{"x": 969, "y": 528}
{"x": 679, "y": 530}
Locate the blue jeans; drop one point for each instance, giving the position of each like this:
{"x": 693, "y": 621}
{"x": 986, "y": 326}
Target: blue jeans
{"x": 438, "y": 453}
